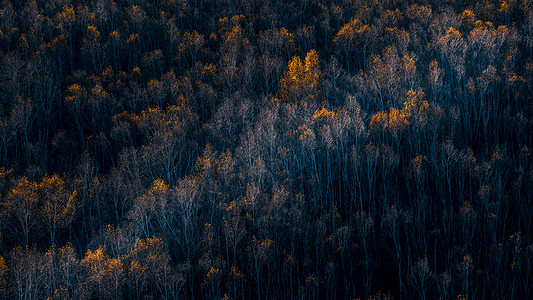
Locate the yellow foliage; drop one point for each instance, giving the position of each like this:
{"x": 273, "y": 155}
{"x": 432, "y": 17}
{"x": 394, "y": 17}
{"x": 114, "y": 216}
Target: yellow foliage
{"x": 209, "y": 70}
{"x": 235, "y": 37}
{"x": 419, "y": 13}
{"x": 108, "y": 73}
{"x": 289, "y": 37}
{"x": 266, "y": 243}
{"x": 133, "y": 38}
{"x": 213, "y": 273}
{"x": 61, "y": 293}
{"x": 302, "y": 79}
{"x": 414, "y": 108}
{"x": 148, "y": 257}
{"x": 4, "y": 173}
{"x": 225, "y": 165}
{"x": 468, "y": 17}
{"x": 67, "y": 15}
{"x": 487, "y": 77}
{"x": 24, "y": 194}
{"x": 513, "y": 79}
{"x": 416, "y": 164}
{"x": 312, "y": 69}
{"x": 401, "y": 36}
{"x": 92, "y": 32}
{"x": 135, "y": 9}
{"x": 515, "y": 236}
{"x": 504, "y": 7}
{"x": 114, "y": 266}
{"x": 227, "y": 23}
{"x": 59, "y": 202}
{"x": 99, "y": 91}
{"x": 114, "y": 35}
{"x": 157, "y": 190}
{"x": 450, "y": 40}
{"x": 95, "y": 260}
{"x": 204, "y": 164}
{"x": 125, "y": 116}
{"x": 415, "y": 104}
{"x": 323, "y": 115}
{"x": 306, "y": 133}
{"x": 379, "y": 122}
{"x": 58, "y": 39}
{"x": 145, "y": 247}
{"x": 350, "y": 31}
{"x": 296, "y": 69}
{"x": 235, "y": 274}
{"x": 137, "y": 270}
{"x": 191, "y": 39}
{"x": 397, "y": 120}
{"x": 4, "y": 270}
{"x": 76, "y": 92}
{"x": 23, "y": 39}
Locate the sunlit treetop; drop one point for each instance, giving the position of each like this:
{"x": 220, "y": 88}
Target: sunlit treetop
{"x": 350, "y": 31}
{"x": 302, "y": 80}
{"x": 415, "y": 104}
{"x": 323, "y": 114}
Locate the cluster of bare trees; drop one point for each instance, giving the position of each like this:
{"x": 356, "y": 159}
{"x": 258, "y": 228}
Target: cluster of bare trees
{"x": 266, "y": 149}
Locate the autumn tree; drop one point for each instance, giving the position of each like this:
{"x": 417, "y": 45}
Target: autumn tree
{"x": 93, "y": 48}
{"x": 185, "y": 195}
{"x": 21, "y": 203}
{"x": 302, "y": 81}
{"x": 260, "y": 252}
{"x": 350, "y": 37}
{"x": 266, "y": 149}
{"x": 59, "y": 205}
{"x": 104, "y": 275}
{"x": 150, "y": 270}
{"x": 4, "y": 269}
{"x": 152, "y": 208}
{"x": 188, "y": 49}
{"x": 66, "y": 20}
{"x": 60, "y": 271}
{"x": 276, "y": 42}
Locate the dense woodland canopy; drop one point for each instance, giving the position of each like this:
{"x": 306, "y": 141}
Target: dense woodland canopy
{"x": 250, "y": 149}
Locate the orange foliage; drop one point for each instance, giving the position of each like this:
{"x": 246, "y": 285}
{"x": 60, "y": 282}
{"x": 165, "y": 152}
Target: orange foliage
{"x": 350, "y": 31}
{"x": 397, "y": 120}
{"x": 302, "y": 80}
{"x": 379, "y": 122}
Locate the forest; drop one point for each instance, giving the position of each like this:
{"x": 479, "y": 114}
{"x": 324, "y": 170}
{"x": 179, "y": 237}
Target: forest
{"x": 266, "y": 149}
